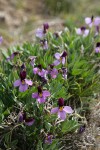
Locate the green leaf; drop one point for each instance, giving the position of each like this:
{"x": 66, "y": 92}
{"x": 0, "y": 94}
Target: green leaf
{"x": 69, "y": 125}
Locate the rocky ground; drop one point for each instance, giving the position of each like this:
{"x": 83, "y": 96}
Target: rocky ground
{"x": 18, "y": 22}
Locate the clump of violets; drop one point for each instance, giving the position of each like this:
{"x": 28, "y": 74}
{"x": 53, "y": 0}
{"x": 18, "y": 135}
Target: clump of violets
{"x": 61, "y": 110}
{"x": 1, "y": 39}
{"x": 82, "y": 31}
{"x": 23, "y": 83}
{"x": 52, "y": 71}
{"x": 40, "y": 33}
{"x": 93, "y": 22}
{"x": 40, "y": 71}
{"x": 11, "y": 57}
{"x": 61, "y": 58}
{"x": 48, "y": 139}
{"x": 97, "y": 48}
{"x": 41, "y": 95}
{"x": 22, "y": 118}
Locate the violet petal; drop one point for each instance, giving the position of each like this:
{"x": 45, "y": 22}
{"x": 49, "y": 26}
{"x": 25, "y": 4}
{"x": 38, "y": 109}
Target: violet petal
{"x": 17, "y": 83}
{"x": 68, "y": 109}
{"x": 34, "y": 95}
{"x": 23, "y": 87}
{"x": 54, "y": 110}
{"x": 62, "y": 115}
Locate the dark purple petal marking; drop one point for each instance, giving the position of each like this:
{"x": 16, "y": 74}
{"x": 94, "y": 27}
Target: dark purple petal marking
{"x": 83, "y": 28}
{"x": 64, "y": 54}
{"x": 92, "y": 18}
{"x": 61, "y": 102}
{"x": 45, "y": 27}
{"x": 40, "y": 66}
{"x": 29, "y": 121}
{"x": 22, "y": 75}
{"x": 98, "y": 44}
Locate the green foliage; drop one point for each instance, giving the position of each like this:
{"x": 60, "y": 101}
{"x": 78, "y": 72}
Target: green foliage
{"x": 69, "y": 126}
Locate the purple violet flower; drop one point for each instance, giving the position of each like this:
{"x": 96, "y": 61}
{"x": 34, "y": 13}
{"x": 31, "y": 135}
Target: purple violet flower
{"x": 41, "y": 72}
{"x": 45, "y": 27}
{"x": 61, "y": 58}
{"x": 44, "y": 81}
{"x": 97, "y": 30}
{"x": 82, "y": 31}
{"x": 48, "y": 139}
{"x": 96, "y": 21}
{"x": 89, "y": 21}
{"x": 12, "y": 56}
{"x": 41, "y": 95}
{"x": 64, "y": 72}
{"x": 97, "y": 49}
{"x": 22, "y": 118}
{"x": 29, "y": 121}
{"x": 23, "y": 83}
{"x": 56, "y": 35}
{"x": 92, "y": 21}
{"x": 44, "y": 44}
{"x": 40, "y": 33}
{"x": 1, "y": 39}
{"x": 82, "y": 129}
{"x": 32, "y": 60}
{"x": 53, "y": 71}
{"x": 62, "y": 110}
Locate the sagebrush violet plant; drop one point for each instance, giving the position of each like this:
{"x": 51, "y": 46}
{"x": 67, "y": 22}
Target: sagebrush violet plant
{"x": 61, "y": 110}
{"x": 93, "y": 21}
{"x": 32, "y": 60}
{"x": 89, "y": 21}
{"x": 41, "y": 95}
{"x": 52, "y": 71}
{"x": 48, "y": 139}
{"x": 82, "y": 31}
{"x": 44, "y": 44}
{"x": 97, "y": 48}
{"x": 71, "y": 79}
{"x": 22, "y": 118}
{"x": 61, "y": 58}
{"x": 23, "y": 83}
{"x": 40, "y": 71}
{"x": 64, "y": 72}
{"x": 11, "y": 57}
{"x": 40, "y": 33}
